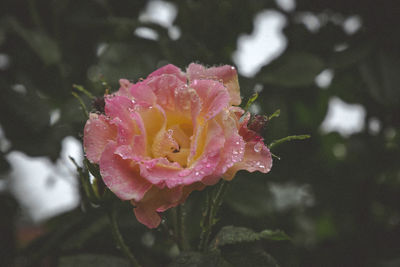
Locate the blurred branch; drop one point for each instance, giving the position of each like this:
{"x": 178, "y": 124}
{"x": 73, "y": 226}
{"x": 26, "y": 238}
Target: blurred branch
{"x": 112, "y": 215}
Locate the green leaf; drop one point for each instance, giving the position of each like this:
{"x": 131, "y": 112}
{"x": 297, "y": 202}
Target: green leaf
{"x": 43, "y": 45}
{"x": 92, "y": 260}
{"x": 197, "y": 259}
{"x": 293, "y": 69}
{"x": 276, "y": 235}
{"x": 250, "y": 255}
{"x": 230, "y": 235}
{"x": 251, "y": 101}
{"x": 277, "y": 113}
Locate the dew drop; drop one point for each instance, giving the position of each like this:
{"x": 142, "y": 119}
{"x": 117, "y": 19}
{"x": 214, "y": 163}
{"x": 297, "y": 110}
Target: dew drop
{"x": 197, "y": 173}
{"x": 184, "y": 172}
{"x": 258, "y": 147}
{"x": 208, "y": 165}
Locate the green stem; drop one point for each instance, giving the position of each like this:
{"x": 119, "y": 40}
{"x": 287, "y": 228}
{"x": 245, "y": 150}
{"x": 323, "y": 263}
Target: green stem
{"x": 83, "y": 106}
{"x": 181, "y": 216}
{"x": 288, "y": 138}
{"x": 112, "y": 215}
{"x": 209, "y": 216}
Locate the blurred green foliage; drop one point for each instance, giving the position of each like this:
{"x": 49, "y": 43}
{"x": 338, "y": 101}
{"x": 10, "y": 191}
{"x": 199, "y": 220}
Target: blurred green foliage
{"x": 354, "y": 217}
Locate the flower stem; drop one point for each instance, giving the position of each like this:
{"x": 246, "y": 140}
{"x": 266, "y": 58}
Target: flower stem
{"x": 112, "y": 215}
{"x": 181, "y": 216}
{"x": 213, "y": 203}
{"x": 178, "y": 221}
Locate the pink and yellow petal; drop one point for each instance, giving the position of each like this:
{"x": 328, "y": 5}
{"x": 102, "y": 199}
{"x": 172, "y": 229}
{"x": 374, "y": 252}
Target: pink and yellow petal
{"x": 169, "y": 69}
{"x": 159, "y": 200}
{"x": 121, "y": 176}
{"x": 213, "y": 95}
{"x": 227, "y": 74}
{"x": 257, "y": 157}
{"x": 98, "y": 133}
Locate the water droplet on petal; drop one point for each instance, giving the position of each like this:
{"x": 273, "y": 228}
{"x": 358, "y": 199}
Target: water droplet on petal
{"x": 258, "y": 147}
{"x": 185, "y": 172}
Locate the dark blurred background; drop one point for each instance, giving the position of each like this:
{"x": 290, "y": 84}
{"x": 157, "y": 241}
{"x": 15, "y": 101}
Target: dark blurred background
{"x": 331, "y": 67}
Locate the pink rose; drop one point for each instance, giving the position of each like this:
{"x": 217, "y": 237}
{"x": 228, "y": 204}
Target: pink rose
{"x": 170, "y": 134}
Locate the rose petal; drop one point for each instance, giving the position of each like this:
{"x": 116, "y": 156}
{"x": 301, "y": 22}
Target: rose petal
{"x": 226, "y": 73}
{"x": 119, "y": 107}
{"x": 234, "y": 146}
{"x": 164, "y": 88}
{"x": 256, "y": 158}
{"x": 98, "y": 132}
{"x": 213, "y": 95}
{"x": 131, "y": 128}
{"x": 124, "y": 89}
{"x": 143, "y": 94}
{"x": 120, "y": 176}
{"x": 169, "y": 69}
{"x": 159, "y": 200}
{"x": 162, "y": 173}
{"x": 187, "y": 104}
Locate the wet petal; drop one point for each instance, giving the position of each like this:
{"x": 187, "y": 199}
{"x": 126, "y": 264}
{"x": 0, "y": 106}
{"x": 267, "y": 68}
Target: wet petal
{"x": 234, "y": 146}
{"x": 124, "y": 89}
{"x": 169, "y": 69}
{"x": 256, "y": 158}
{"x": 213, "y": 95}
{"x": 159, "y": 200}
{"x": 164, "y": 88}
{"x": 227, "y": 74}
{"x": 162, "y": 172}
{"x": 130, "y": 125}
{"x": 143, "y": 94}
{"x": 98, "y": 132}
{"x": 120, "y": 176}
